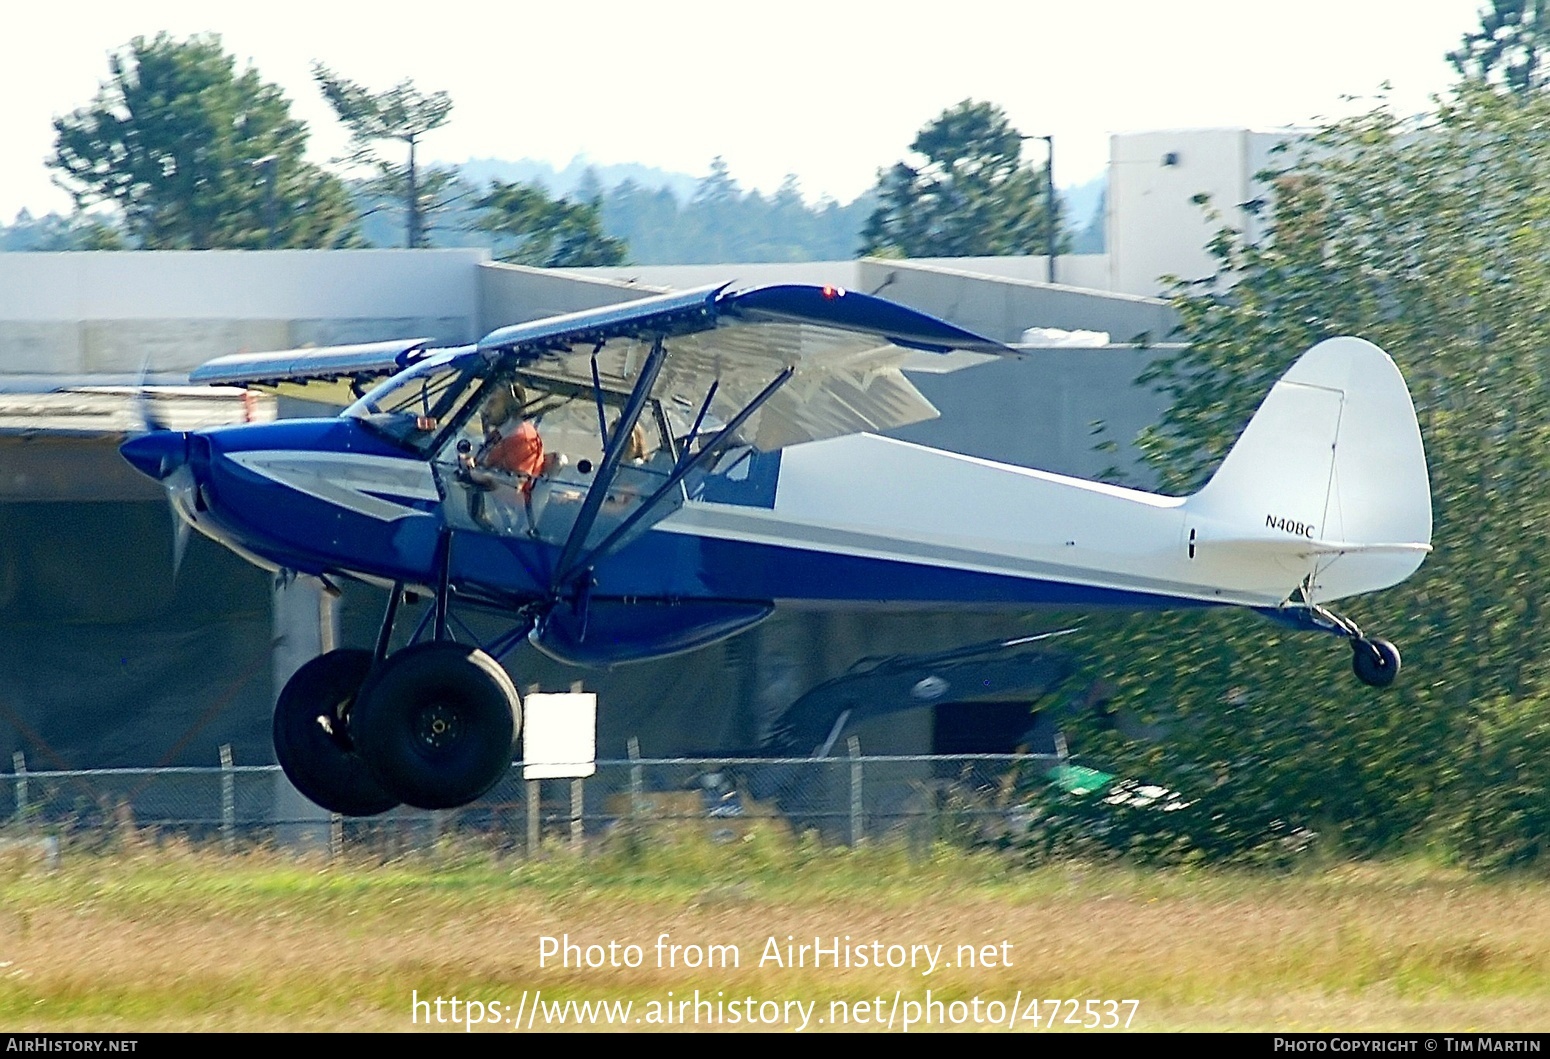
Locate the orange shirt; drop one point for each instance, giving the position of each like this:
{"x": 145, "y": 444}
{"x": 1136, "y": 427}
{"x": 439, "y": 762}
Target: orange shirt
{"x": 520, "y": 452}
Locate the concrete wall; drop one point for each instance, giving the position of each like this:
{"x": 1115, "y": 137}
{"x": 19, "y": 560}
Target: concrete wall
{"x": 110, "y": 658}
{"x": 84, "y": 313}
{"x": 1038, "y": 411}
{"x": 38, "y": 469}
{"x": 1089, "y": 271}
{"x": 515, "y": 294}
{"x": 1071, "y": 411}
{"x": 687, "y": 277}
{"x": 1003, "y": 308}
{"x": 1154, "y": 226}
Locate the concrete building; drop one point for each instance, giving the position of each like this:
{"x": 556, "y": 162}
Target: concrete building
{"x": 1171, "y": 192}
{"x": 113, "y": 661}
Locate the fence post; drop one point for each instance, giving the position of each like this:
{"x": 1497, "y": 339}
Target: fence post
{"x": 931, "y": 807}
{"x": 578, "y": 831}
{"x": 19, "y": 766}
{"x": 637, "y": 782}
{"x": 228, "y": 801}
{"x": 534, "y": 798}
{"x": 335, "y": 836}
{"x": 856, "y": 834}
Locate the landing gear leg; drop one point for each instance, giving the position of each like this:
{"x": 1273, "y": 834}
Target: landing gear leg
{"x": 389, "y": 616}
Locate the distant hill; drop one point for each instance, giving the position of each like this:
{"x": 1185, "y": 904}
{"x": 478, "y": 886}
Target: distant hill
{"x": 481, "y": 171}
{"x": 674, "y": 218}
{"x": 665, "y": 218}
{"x": 1082, "y": 201}
{"x": 1084, "y": 213}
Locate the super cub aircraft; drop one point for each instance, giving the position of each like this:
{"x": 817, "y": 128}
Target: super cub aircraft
{"x": 639, "y": 480}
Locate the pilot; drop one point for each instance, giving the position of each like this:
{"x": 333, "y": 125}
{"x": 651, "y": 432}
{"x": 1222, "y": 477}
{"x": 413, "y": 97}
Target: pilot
{"x": 511, "y": 440}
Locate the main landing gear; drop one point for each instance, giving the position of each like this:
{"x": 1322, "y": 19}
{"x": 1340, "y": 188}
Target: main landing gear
{"x": 312, "y": 738}
{"x": 431, "y": 725}
{"x": 435, "y": 724}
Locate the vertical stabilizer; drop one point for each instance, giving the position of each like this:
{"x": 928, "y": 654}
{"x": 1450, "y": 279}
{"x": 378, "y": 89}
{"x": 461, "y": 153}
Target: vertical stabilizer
{"x": 1330, "y": 468}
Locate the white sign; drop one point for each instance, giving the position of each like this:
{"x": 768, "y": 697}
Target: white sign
{"x": 559, "y": 735}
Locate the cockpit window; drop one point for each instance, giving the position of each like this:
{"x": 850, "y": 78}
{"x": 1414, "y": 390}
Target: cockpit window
{"x": 414, "y": 406}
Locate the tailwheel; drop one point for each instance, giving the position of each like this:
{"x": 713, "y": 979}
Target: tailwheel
{"x": 312, "y": 738}
{"x": 436, "y": 724}
{"x": 1376, "y": 662}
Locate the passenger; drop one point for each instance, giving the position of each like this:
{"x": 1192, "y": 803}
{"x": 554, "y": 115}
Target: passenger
{"x": 626, "y": 490}
{"x": 635, "y": 448}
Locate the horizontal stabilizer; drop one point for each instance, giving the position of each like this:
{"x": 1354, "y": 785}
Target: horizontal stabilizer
{"x": 1311, "y": 549}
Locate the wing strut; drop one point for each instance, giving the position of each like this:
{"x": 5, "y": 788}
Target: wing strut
{"x": 608, "y": 469}
{"x": 597, "y": 394}
{"x": 699, "y": 420}
{"x": 687, "y": 466}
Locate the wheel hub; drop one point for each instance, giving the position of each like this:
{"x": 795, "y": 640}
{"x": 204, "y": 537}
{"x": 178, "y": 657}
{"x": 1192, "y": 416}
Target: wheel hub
{"x": 438, "y": 726}
{"x": 335, "y": 723}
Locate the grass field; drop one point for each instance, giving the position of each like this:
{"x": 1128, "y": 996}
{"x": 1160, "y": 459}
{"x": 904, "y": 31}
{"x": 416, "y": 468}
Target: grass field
{"x": 174, "y": 938}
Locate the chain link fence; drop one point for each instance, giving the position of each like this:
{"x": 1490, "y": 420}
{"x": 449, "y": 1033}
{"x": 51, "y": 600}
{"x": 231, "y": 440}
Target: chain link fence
{"x": 969, "y": 798}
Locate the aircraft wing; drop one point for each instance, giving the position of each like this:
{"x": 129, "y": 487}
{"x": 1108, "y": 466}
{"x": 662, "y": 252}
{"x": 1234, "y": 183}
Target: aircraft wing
{"x": 845, "y": 350}
{"x": 328, "y": 374}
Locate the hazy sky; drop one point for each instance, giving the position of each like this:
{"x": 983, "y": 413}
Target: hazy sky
{"x": 828, "y": 91}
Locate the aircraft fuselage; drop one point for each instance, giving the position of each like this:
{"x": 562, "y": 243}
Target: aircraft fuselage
{"x": 856, "y": 519}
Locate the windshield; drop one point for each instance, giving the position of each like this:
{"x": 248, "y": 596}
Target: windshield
{"x": 413, "y": 406}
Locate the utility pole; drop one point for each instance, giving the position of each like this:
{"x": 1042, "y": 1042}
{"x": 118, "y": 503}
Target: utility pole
{"x": 1049, "y": 207}
{"x": 1049, "y": 204}
{"x": 266, "y": 168}
{"x": 412, "y": 201}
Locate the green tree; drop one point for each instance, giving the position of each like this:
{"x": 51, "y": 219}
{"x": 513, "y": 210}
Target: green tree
{"x": 967, "y": 193}
{"x": 1509, "y": 47}
{"x": 536, "y": 229}
{"x": 1430, "y": 238}
{"x": 401, "y": 113}
{"x": 196, "y": 156}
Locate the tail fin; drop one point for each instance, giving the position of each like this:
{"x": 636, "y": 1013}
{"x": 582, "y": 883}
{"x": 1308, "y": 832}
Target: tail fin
{"x": 1328, "y": 479}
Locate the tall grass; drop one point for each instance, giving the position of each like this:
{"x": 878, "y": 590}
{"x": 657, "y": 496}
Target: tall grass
{"x": 179, "y": 937}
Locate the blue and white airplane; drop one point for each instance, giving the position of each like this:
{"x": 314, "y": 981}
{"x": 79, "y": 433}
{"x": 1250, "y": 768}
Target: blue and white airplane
{"x": 640, "y": 480}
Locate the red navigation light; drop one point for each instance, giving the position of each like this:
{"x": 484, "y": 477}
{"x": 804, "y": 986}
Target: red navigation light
{"x": 833, "y": 292}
